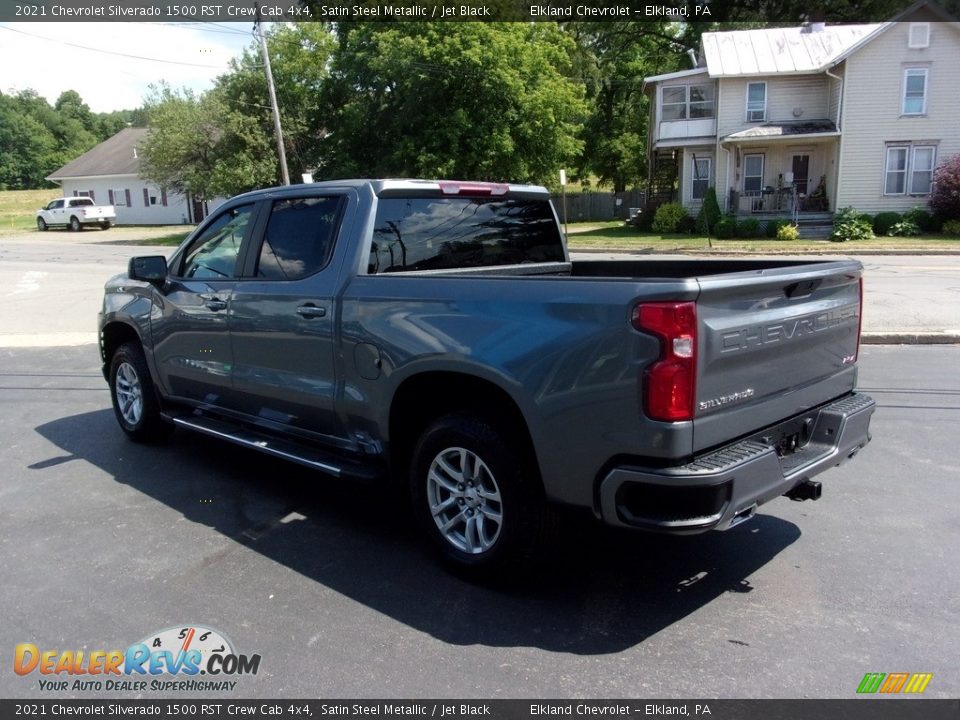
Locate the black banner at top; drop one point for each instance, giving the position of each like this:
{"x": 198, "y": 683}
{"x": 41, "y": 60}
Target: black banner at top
{"x": 167, "y": 11}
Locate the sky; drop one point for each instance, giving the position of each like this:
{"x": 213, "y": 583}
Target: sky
{"x": 112, "y": 64}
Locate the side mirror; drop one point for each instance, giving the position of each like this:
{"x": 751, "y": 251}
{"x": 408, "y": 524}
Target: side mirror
{"x": 149, "y": 268}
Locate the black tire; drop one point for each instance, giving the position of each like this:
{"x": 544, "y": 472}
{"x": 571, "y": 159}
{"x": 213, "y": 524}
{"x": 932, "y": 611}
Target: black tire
{"x": 75, "y": 225}
{"x": 41, "y": 224}
{"x": 134, "y": 399}
{"x": 105, "y": 225}
{"x": 473, "y": 468}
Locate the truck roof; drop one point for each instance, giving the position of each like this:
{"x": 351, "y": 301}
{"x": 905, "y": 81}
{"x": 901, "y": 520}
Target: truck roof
{"x": 405, "y": 186}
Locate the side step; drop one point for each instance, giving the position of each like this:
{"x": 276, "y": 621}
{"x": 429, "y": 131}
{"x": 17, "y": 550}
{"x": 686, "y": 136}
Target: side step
{"x": 285, "y": 449}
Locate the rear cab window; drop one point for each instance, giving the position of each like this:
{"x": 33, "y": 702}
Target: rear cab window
{"x": 448, "y": 233}
{"x": 299, "y": 237}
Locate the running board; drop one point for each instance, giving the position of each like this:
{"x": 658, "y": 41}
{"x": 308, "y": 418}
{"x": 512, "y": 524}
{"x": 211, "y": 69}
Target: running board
{"x": 277, "y": 447}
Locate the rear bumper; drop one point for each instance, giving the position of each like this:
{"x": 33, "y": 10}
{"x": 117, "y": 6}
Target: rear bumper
{"x": 723, "y": 487}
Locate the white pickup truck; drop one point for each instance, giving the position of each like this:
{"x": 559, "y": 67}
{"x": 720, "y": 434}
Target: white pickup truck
{"x": 74, "y": 213}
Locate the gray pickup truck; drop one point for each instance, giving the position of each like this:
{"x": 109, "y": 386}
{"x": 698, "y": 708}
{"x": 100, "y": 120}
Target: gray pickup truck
{"x": 436, "y": 334}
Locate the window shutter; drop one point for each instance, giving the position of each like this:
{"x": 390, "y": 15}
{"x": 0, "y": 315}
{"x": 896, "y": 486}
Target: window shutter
{"x": 163, "y": 198}
{"x": 75, "y": 193}
{"x": 127, "y": 194}
{"x": 110, "y": 194}
{"x": 91, "y": 196}
{"x": 146, "y": 198}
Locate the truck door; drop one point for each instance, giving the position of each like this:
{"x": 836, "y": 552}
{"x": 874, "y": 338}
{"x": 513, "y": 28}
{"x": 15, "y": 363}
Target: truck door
{"x": 190, "y": 327}
{"x": 282, "y": 322}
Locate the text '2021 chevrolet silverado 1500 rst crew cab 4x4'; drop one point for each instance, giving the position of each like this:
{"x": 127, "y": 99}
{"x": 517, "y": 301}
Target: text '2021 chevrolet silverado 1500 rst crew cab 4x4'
{"x": 437, "y": 334}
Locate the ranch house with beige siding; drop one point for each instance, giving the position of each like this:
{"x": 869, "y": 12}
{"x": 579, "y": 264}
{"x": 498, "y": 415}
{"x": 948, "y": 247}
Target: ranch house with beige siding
{"x": 797, "y": 122}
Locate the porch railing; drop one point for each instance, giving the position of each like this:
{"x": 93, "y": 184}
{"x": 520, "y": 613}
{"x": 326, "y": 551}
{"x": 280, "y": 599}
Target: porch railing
{"x": 768, "y": 200}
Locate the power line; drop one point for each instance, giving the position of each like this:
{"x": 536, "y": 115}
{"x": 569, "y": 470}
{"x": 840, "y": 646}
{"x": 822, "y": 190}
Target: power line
{"x": 110, "y": 52}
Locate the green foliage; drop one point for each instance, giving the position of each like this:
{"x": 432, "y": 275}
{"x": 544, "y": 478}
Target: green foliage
{"x": 299, "y": 57}
{"x": 687, "y": 225}
{"x": 748, "y": 228}
{"x": 905, "y": 228}
{"x": 725, "y": 228}
{"x": 486, "y": 101}
{"x": 668, "y": 217}
{"x": 709, "y": 213}
{"x": 882, "y": 222}
{"x": 37, "y": 139}
{"x": 849, "y": 225}
{"x": 788, "y": 233}
{"x": 772, "y": 226}
{"x": 921, "y": 218}
{"x": 951, "y": 228}
{"x": 198, "y": 145}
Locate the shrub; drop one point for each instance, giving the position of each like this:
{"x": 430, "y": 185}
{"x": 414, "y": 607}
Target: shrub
{"x": 952, "y": 228}
{"x": 709, "y": 214}
{"x": 848, "y": 225}
{"x": 725, "y": 228}
{"x": 945, "y": 197}
{"x": 749, "y": 228}
{"x": 919, "y": 217}
{"x": 905, "y": 228}
{"x": 667, "y": 217}
{"x": 772, "y": 226}
{"x": 884, "y": 221}
{"x": 868, "y": 218}
{"x": 687, "y": 225}
{"x": 788, "y": 232}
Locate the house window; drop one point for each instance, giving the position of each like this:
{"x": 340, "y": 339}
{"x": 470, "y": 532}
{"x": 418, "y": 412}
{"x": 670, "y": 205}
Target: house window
{"x": 896, "y": 181}
{"x": 119, "y": 197}
{"x": 915, "y": 91}
{"x": 756, "y": 102}
{"x": 919, "y": 35}
{"x": 682, "y": 102}
{"x": 701, "y": 177}
{"x": 752, "y": 173}
{"x": 921, "y": 169}
{"x": 674, "y": 106}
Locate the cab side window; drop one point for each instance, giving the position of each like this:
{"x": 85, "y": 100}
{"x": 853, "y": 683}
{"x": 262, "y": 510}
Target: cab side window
{"x": 214, "y": 253}
{"x": 299, "y": 238}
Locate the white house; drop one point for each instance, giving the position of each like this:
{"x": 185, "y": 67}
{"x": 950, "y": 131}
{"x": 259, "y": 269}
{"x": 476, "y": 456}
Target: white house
{"x": 784, "y": 121}
{"x": 110, "y": 174}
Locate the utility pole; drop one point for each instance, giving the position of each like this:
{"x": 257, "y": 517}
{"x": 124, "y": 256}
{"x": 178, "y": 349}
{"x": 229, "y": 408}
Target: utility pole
{"x": 277, "y": 131}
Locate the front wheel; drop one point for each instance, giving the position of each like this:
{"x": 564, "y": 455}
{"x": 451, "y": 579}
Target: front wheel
{"x": 41, "y": 224}
{"x": 476, "y": 491}
{"x": 134, "y": 401}
{"x": 75, "y": 225}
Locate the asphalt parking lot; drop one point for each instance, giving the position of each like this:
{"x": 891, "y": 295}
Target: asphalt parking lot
{"x": 106, "y": 542}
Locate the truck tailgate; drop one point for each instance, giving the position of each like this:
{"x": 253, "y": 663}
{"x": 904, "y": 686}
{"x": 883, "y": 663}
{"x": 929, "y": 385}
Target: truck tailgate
{"x": 772, "y": 344}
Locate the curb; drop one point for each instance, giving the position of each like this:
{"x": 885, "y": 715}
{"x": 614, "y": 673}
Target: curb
{"x": 904, "y": 338}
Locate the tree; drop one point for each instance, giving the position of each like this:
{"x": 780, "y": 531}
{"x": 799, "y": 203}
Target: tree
{"x": 614, "y": 58}
{"x": 945, "y": 197}
{"x": 486, "y": 101}
{"x": 26, "y": 147}
{"x": 299, "y": 56}
{"x": 198, "y": 146}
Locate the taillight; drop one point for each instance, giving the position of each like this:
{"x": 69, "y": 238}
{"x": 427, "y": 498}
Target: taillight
{"x": 669, "y": 386}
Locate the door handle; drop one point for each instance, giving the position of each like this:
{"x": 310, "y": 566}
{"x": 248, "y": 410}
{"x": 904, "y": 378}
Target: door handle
{"x": 213, "y": 302}
{"x": 311, "y": 311}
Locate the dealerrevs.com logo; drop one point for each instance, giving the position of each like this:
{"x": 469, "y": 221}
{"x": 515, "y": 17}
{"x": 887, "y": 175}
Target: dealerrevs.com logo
{"x": 169, "y": 660}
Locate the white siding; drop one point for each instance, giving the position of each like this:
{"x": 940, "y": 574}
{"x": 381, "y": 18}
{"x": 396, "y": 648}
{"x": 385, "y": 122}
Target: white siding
{"x": 700, "y": 127}
{"x": 807, "y": 94}
{"x": 834, "y": 94}
{"x": 872, "y": 112}
{"x": 138, "y": 212}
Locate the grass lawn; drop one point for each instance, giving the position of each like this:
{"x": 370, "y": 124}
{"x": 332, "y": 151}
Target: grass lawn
{"x": 616, "y": 236}
{"x": 18, "y": 208}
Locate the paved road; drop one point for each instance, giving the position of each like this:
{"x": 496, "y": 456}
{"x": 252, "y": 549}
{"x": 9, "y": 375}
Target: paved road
{"x": 51, "y": 287}
{"x": 105, "y": 542}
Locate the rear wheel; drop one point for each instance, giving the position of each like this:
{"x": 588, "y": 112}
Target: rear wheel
{"x": 41, "y": 224}
{"x": 75, "y": 225}
{"x": 105, "y": 225}
{"x": 134, "y": 401}
{"x": 476, "y": 491}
